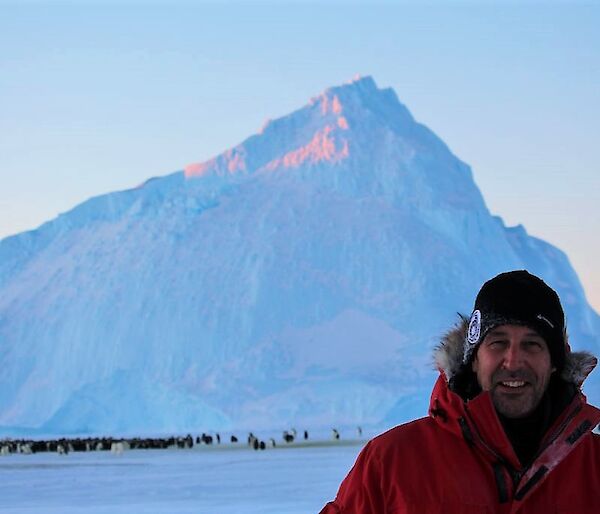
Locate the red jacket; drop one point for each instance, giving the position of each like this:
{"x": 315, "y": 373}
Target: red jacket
{"x": 460, "y": 461}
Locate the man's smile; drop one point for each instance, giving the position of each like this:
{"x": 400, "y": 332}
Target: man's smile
{"x": 513, "y": 383}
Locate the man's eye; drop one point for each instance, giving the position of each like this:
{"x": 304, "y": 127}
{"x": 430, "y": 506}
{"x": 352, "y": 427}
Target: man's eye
{"x": 534, "y": 345}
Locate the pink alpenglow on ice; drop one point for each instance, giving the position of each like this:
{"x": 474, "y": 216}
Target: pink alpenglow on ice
{"x": 329, "y": 104}
{"x": 232, "y": 161}
{"x": 324, "y": 146}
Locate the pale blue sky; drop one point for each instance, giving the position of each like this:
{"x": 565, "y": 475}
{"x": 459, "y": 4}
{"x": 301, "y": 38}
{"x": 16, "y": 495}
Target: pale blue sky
{"x": 95, "y": 96}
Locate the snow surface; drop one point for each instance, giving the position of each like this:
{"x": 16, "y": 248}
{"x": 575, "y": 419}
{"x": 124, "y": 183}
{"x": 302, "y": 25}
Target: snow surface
{"x": 300, "y": 278}
{"x": 243, "y": 481}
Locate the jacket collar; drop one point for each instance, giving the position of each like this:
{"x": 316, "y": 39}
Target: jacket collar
{"x": 474, "y": 421}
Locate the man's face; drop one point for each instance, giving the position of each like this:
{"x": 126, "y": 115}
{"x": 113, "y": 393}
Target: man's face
{"x": 513, "y": 364}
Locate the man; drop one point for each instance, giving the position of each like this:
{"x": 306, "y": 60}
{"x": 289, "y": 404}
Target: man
{"x": 508, "y": 430}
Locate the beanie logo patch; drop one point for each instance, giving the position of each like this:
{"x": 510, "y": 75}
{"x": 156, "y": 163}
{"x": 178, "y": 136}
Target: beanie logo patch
{"x": 474, "y": 330}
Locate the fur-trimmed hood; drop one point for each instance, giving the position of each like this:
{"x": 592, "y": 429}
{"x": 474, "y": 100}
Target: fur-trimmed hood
{"x": 448, "y": 356}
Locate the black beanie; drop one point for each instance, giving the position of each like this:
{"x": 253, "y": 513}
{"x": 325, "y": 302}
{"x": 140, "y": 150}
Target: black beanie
{"x": 518, "y": 298}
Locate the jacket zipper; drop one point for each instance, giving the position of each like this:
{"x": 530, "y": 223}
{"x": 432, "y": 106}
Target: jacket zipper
{"x": 501, "y": 462}
{"x": 543, "y": 469}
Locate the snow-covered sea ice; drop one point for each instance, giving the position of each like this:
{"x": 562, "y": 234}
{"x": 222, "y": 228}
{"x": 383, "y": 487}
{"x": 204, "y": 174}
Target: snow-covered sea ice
{"x": 242, "y": 481}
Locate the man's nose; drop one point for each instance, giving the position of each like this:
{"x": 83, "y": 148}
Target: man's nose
{"x": 513, "y": 358}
